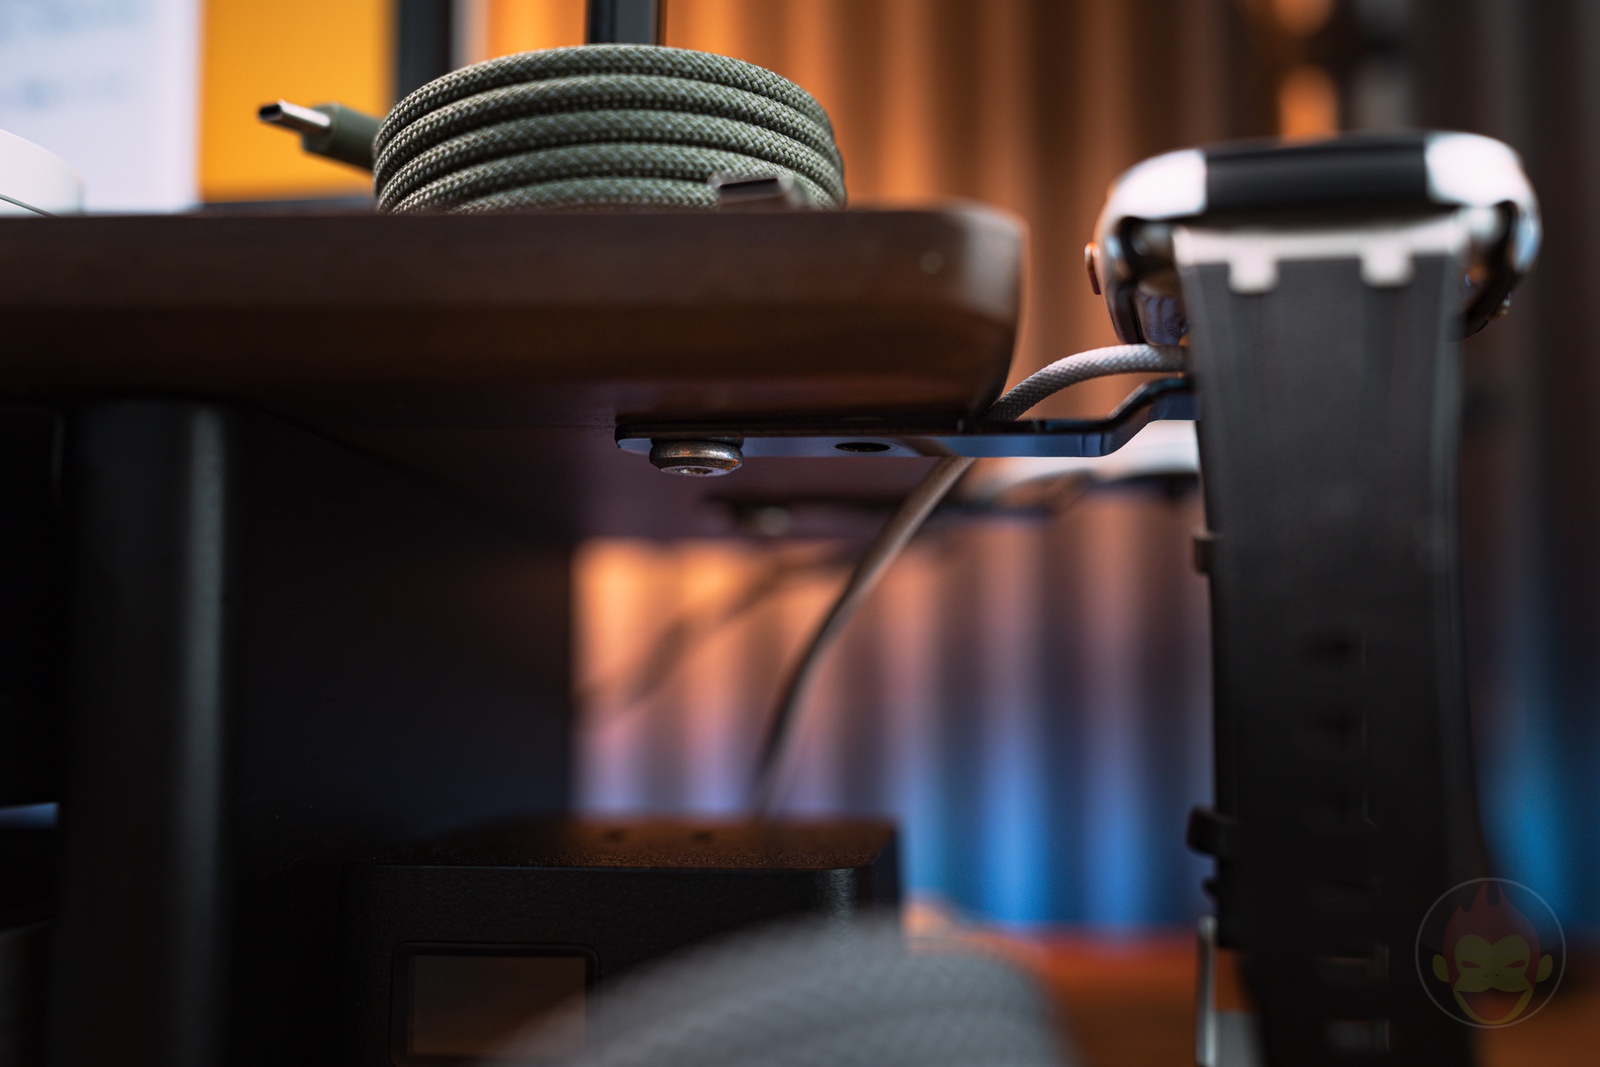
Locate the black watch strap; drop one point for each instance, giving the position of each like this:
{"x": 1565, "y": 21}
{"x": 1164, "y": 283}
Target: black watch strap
{"x": 1327, "y": 379}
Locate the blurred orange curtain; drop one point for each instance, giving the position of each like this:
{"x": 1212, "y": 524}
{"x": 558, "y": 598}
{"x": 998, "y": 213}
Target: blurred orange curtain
{"x": 1031, "y": 105}
{"x": 1008, "y": 691}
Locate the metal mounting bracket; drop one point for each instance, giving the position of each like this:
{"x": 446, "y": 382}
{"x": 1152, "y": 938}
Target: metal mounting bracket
{"x": 821, "y": 436}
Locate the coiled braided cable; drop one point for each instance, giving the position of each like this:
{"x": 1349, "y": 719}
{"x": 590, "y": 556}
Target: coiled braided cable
{"x": 603, "y": 125}
{"x": 908, "y": 519}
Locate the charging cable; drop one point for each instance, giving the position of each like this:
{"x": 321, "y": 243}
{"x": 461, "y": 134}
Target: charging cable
{"x": 601, "y": 125}
{"x": 330, "y": 130}
{"x": 908, "y": 519}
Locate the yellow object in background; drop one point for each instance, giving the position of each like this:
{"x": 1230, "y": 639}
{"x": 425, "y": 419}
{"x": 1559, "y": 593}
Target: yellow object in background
{"x": 1308, "y": 104}
{"x": 307, "y": 51}
{"x": 491, "y": 28}
{"x": 313, "y": 52}
{"x": 524, "y": 25}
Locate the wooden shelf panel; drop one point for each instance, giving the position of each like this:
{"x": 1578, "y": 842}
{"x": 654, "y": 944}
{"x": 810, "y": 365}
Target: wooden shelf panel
{"x": 531, "y": 319}
{"x": 496, "y": 354}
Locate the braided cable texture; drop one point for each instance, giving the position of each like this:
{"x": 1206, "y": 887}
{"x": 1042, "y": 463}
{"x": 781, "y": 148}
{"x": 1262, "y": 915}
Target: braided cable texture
{"x": 908, "y": 519}
{"x": 824, "y": 994}
{"x": 1095, "y": 363}
{"x": 638, "y": 121}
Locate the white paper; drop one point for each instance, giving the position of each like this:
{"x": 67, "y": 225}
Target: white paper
{"x": 110, "y": 86}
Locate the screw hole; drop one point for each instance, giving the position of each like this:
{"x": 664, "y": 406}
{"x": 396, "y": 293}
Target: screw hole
{"x": 861, "y": 446}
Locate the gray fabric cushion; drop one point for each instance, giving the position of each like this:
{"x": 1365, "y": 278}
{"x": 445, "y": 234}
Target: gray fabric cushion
{"x": 824, "y": 993}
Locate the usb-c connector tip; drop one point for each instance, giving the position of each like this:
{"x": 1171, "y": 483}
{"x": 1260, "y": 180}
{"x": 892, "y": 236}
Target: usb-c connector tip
{"x": 294, "y": 117}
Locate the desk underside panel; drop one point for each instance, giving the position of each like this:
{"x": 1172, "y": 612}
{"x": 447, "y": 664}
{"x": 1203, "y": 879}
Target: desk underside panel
{"x": 495, "y": 355}
{"x": 560, "y": 319}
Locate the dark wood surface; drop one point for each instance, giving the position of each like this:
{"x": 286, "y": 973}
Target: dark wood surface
{"x": 1129, "y": 1002}
{"x": 495, "y": 355}
{"x": 534, "y": 319}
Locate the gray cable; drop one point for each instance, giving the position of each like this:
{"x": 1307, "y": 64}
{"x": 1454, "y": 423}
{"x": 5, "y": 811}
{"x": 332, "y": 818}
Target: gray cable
{"x": 332, "y": 131}
{"x": 632, "y": 127}
{"x": 1095, "y": 363}
{"x": 600, "y": 125}
{"x": 909, "y": 517}
{"x": 469, "y": 188}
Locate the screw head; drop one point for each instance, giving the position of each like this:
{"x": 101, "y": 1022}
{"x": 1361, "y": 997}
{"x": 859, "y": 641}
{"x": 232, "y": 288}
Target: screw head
{"x": 696, "y": 459}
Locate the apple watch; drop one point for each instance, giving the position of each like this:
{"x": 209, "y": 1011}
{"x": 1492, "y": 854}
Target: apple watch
{"x": 1323, "y": 289}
